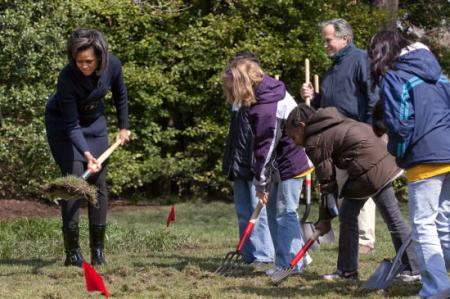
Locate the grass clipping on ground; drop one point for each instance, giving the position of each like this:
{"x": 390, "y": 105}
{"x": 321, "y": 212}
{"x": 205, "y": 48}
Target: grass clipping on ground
{"x": 71, "y": 187}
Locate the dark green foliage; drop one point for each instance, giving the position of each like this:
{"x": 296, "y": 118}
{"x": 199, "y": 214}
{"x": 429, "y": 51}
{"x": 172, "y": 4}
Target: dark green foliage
{"x": 173, "y": 54}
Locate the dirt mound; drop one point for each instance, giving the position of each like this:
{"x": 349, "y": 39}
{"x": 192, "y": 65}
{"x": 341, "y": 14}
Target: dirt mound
{"x": 10, "y": 208}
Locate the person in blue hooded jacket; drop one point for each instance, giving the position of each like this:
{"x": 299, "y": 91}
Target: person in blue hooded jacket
{"x": 414, "y": 108}
{"x": 279, "y": 165}
{"x": 77, "y": 132}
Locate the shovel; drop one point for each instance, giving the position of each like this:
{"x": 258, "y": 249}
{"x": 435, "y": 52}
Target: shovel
{"x": 387, "y": 270}
{"x": 73, "y": 187}
{"x": 307, "y": 227}
{"x": 281, "y": 274}
{"x": 233, "y": 259}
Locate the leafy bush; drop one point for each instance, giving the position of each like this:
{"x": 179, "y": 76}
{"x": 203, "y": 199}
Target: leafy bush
{"x": 173, "y": 56}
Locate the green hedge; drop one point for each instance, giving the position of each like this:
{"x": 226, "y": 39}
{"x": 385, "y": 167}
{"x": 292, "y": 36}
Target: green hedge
{"x": 173, "y": 54}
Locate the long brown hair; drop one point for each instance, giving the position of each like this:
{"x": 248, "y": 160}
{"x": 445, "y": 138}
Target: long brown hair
{"x": 384, "y": 49}
{"x": 239, "y": 81}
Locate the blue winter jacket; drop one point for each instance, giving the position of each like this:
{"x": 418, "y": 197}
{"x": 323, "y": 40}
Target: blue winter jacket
{"x": 416, "y": 103}
{"x": 346, "y": 85}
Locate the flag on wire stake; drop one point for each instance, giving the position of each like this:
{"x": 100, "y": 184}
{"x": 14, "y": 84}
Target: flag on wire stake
{"x": 94, "y": 281}
{"x": 171, "y": 215}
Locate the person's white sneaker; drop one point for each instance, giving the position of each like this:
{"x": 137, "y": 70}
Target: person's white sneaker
{"x": 261, "y": 266}
{"x": 273, "y": 270}
{"x": 408, "y": 276}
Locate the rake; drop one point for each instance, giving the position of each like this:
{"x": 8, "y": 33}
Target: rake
{"x": 73, "y": 187}
{"x": 233, "y": 259}
{"x": 281, "y": 274}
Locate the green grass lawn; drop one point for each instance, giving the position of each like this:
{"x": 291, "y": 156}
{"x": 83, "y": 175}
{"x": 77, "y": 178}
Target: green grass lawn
{"x": 148, "y": 260}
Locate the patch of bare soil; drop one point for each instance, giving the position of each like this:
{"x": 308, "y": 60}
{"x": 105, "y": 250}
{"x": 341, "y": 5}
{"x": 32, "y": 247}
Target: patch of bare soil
{"x": 11, "y": 208}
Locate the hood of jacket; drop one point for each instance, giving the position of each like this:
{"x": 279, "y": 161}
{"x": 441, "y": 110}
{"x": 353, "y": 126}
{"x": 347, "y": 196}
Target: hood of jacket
{"x": 323, "y": 119}
{"x": 270, "y": 90}
{"x": 417, "y": 60}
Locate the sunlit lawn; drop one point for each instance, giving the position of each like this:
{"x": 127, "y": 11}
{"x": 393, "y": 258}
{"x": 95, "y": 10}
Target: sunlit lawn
{"x": 148, "y": 260}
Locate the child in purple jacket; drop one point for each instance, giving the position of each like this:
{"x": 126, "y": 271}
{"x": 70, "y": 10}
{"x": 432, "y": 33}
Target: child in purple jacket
{"x": 279, "y": 165}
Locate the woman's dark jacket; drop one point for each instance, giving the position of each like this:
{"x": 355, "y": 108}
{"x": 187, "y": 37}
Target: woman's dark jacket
{"x": 75, "y": 115}
{"x": 238, "y": 155}
{"x": 333, "y": 140}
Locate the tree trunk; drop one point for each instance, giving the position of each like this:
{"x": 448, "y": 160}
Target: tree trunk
{"x": 392, "y": 7}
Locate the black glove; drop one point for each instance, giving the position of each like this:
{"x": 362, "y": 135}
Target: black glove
{"x": 328, "y": 206}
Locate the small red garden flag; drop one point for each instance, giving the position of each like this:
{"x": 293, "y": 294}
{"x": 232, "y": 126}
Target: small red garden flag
{"x": 94, "y": 281}
{"x": 171, "y": 215}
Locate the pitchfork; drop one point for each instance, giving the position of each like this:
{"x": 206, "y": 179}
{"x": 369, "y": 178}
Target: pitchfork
{"x": 281, "y": 274}
{"x": 233, "y": 259}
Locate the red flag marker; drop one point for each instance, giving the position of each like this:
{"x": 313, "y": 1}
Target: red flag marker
{"x": 94, "y": 281}
{"x": 171, "y": 215}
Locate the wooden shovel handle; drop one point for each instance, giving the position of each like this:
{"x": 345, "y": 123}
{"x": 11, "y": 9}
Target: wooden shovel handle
{"x": 103, "y": 157}
{"x": 108, "y": 152}
{"x": 307, "y": 80}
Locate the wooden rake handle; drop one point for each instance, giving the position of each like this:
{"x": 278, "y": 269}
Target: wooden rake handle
{"x": 103, "y": 157}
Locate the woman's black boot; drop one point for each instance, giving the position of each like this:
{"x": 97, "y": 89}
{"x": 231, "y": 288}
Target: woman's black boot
{"x": 72, "y": 247}
{"x": 97, "y": 239}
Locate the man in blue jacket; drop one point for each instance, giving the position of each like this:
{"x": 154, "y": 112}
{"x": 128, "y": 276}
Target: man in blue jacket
{"x": 346, "y": 86}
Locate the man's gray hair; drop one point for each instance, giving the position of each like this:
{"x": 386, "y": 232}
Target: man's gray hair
{"x": 342, "y": 28}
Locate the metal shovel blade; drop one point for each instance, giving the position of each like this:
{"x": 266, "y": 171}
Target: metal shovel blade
{"x": 387, "y": 271}
{"x": 378, "y": 279}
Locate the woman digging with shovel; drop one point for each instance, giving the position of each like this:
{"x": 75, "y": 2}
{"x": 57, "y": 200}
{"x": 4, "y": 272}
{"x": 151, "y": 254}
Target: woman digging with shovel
{"x": 336, "y": 143}
{"x": 77, "y": 132}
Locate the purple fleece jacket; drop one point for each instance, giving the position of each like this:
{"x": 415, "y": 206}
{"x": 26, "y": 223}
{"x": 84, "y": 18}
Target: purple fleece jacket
{"x": 276, "y": 155}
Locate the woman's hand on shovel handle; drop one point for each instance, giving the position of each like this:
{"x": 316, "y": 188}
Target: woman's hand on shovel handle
{"x": 123, "y": 136}
{"x": 324, "y": 226}
{"x": 263, "y": 197}
{"x": 92, "y": 164}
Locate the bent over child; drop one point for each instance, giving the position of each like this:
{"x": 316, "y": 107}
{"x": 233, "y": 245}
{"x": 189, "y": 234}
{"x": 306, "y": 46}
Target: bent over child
{"x": 337, "y": 143}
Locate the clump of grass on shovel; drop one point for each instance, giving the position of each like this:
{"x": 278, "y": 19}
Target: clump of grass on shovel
{"x": 71, "y": 187}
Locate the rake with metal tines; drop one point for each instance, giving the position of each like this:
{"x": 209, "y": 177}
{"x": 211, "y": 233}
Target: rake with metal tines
{"x": 233, "y": 259}
{"x": 281, "y": 274}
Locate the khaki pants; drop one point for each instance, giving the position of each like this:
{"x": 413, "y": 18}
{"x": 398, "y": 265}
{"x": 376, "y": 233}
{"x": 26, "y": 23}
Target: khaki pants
{"x": 366, "y": 224}
{"x": 366, "y": 218}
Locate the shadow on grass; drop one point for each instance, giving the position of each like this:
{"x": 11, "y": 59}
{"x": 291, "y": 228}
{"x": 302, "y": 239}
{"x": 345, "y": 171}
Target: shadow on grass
{"x": 312, "y": 284}
{"x": 180, "y": 262}
{"x": 35, "y": 263}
